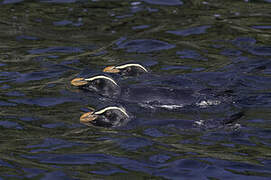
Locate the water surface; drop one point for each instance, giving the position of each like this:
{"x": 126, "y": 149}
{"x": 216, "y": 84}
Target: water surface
{"x": 224, "y": 45}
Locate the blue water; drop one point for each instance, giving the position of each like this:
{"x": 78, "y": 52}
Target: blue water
{"x": 221, "y": 45}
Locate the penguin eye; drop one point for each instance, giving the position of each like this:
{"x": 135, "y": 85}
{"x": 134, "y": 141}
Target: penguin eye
{"x": 107, "y": 114}
{"x": 96, "y": 82}
{"x": 126, "y": 70}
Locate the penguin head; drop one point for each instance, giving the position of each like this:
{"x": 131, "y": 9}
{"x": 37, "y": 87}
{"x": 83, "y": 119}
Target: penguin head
{"x": 111, "y": 116}
{"x": 100, "y": 84}
{"x": 131, "y": 69}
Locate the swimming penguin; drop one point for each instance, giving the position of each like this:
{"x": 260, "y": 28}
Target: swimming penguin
{"x": 142, "y": 74}
{"x": 228, "y": 121}
{"x": 114, "y": 116}
{"x": 129, "y": 69}
{"x": 154, "y": 96}
{"x": 111, "y": 116}
{"x": 99, "y": 84}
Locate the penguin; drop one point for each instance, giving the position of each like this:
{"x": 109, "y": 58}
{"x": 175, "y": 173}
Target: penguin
{"x": 129, "y": 69}
{"x": 115, "y": 116}
{"x": 100, "y": 84}
{"x": 111, "y": 116}
{"x": 141, "y": 73}
{"x": 153, "y": 96}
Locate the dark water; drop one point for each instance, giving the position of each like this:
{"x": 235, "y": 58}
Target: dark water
{"x": 216, "y": 44}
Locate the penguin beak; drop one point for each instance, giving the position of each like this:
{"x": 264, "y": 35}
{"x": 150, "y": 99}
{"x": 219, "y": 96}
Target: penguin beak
{"x": 88, "y": 117}
{"x": 79, "y": 82}
{"x": 111, "y": 69}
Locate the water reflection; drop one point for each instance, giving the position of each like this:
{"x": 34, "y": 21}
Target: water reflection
{"x": 145, "y": 45}
{"x": 190, "y": 31}
{"x": 219, "y": 45}
{"x": 167, "y": 3}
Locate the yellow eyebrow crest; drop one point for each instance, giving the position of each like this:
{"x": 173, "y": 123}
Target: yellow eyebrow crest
{"x": 112, "y": 108}
{"x": 101, "y": 77}
{"x": 129, "y": 65}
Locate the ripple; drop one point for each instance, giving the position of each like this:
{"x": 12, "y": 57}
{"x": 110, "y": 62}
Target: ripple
{"x": 51, "y": 144}
{"x": 145, "y": 45}
{"x": 159, "y": 158}
{"x": 261, "y": 51}
{"x": 62, "y": 23}
{"x": 23, "y": 37}
{"x": 140, "y": 27}
{"x": 231, "y": 52}
{"x": 152, "y": 9}
{"x": 67, "y": 22}
{"x": 5, "y": 86}
{"x": 182, "y": 124}
{"x": 15, "y": 93}
{"x": 89, "y": 159}
{"x": 261, "y": 100}
{"x": 56, "y": 50}
{"x": 244, "y": 42}
{"x": 217, "y": 79}
{"x": 70, "y": 62}
{"x": 183, "y": 168}
{"x": 136, "y": 7}
{"x": 261, "y": 27}
{"x": 133, "y": 143}
{"x": 36, "y": 76}
{"x": 9, "y": 75}
{"x": 3, "y": 103}
{"x": 32, "y": 172}
{"x": 5, "y": 164}
{"x": 165, "y": 3}
{"x": 168, "y": 67}
{"x": 108, "y": 171}
{"x": 189, "y": 54}
{"x": 9, "y": 124}
{"x": 28, "y": 119}
{"x": 11, "y": 1}
{"x": 55, "y": 125}
{"x": 58, "y": 1}
{"x": 153, "y": 132}
{"x": 56, "y": 175}
{"x": 254, "y": 65}
{"x": 190, "y": 31}
{"x": 223, "y": 169}
{"x": 41, "y": 134}
{"x": 124, "y": 16}
{"x": 44, "y": 102}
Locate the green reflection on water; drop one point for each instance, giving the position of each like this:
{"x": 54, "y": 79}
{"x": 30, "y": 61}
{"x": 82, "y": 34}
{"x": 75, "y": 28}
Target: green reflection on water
{"x": 99, "y": 32}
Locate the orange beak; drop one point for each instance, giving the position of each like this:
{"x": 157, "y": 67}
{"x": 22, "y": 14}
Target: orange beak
{"x": 88, "y": 117}
{"x": 111, "y": 69}
{"x": 78, "y": 82}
